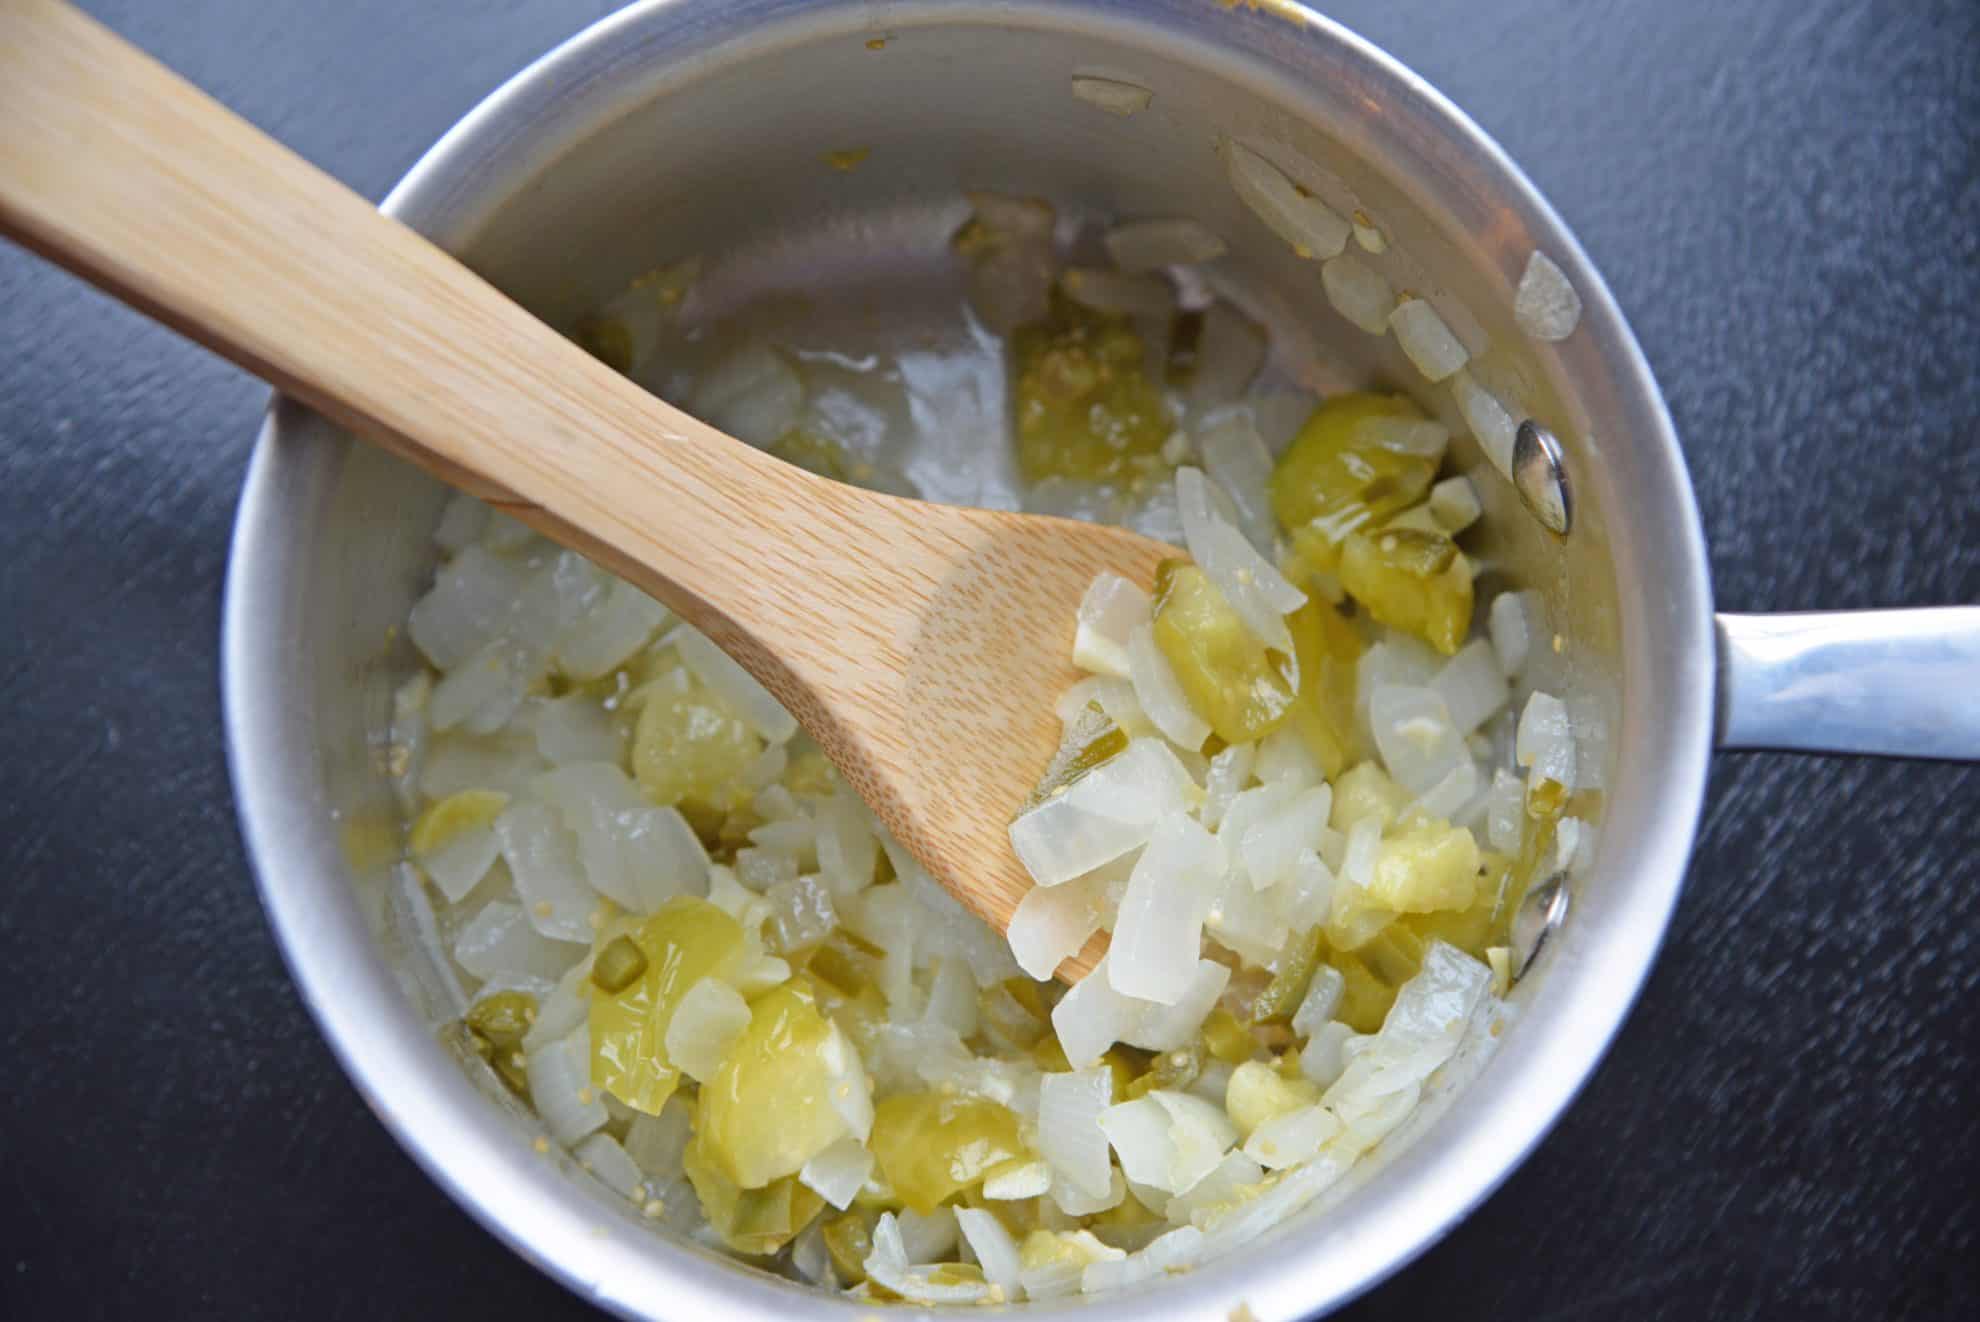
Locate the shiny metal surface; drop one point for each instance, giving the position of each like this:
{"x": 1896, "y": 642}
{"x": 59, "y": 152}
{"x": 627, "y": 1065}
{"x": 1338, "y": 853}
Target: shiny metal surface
{"x": 1539, "y": 916}
{"x": 1895, "y": 683}
{"x": 651, "y": 136}
{"x": 1541, "y": 478}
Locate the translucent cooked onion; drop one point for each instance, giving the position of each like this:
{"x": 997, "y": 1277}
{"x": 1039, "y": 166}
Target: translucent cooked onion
{"x": 560, "y": 1087}
{"x": 1111, "y": 94}
{"x": 1158, "y": 931}
{"x": 1149, "y": 245}
{"x": 600, "y": 1155}
{"x": 1069, "y": 1133}
{"x": 1161, "y": 694}
{"x": 1544, "y": 743}
{"x": 1426, "y": 340}
{"x": 1358, "y": 292}
{"x": 609, "y": 631}
{"x": 1051, "y": 923}
{"x": 543, "y": 857}
{"x": 1511, "y": 626}
{"x": 996, "y": 1252}
{"x": 1546, "y": 305}
{"x": 630, "y": 850}
{"x": 1414, "y": 731}
{"x": 1147, "y": 296}
{"x": 1490, "y": 422}
{"x": 1111, "y": 809}
{"x": 1454, "y": 504}
{"x": 839, "y": 1172}
{"x": 1237, "y": 460}
{"x": 1312, "y": 228}
{"x": 1473, "y": 686}
{"x": 1229, "y": 351}
{"x": 1253, "y": 585}
{"x": 706, "y": 1020}
{"x": 1228, "y": 772}
{"x": 754, "y": 395}
{"x": 1109, "y": 613}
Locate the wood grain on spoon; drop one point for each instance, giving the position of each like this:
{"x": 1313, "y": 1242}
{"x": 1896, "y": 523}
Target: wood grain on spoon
{"x": 922, "y": 646}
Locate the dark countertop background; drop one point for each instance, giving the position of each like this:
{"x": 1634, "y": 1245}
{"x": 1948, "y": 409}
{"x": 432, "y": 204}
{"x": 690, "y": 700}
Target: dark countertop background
{"x": 1785, "y": 196}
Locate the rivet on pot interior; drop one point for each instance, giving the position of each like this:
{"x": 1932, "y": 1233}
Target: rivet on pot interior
{"x": 1540, "y": 476}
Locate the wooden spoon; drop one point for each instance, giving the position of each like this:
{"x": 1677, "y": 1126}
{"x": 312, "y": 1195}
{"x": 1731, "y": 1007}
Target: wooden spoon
{"x": 922, "y": 646}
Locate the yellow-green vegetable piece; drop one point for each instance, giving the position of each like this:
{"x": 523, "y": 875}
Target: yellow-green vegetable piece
{"x": 849, "y": 1243}
{"x": 503, "y": 1018}
{"x": 1328, "y": 648}
{"x": 1282, "y": 995}
{"x": 1257, "y": 1093}
{"x": 446, "y": 821}
{"x": 687, "y": 940}
{"x": 1170, "y": 1071}
{"x": 1365, "y": 790}
{"x": 1232, "y": 680}
{"x": 768, "y": 1110}
{"x": 1226, "y": 1037}
{"x": 618, "y": 964}
{"x": 691, "y": 749}
{"x": 931, "y": 1147}
{"x": 1334, "y": 479}
{"x": 1427, "y": 866}
{"x": 1084, "y": 406}
{"x": 1411, "y": 580}
{"x": 753, "y": 1221}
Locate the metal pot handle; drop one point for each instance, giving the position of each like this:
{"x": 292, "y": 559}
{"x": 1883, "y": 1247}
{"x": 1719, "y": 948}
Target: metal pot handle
{"x": 1896, "y": 683}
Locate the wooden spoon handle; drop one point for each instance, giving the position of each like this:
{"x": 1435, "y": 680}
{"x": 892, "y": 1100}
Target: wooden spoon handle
{"x": 118, "y": 169}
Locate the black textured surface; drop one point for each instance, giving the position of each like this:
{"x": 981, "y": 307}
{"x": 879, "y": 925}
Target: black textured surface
{"x": 1785, "y": 196}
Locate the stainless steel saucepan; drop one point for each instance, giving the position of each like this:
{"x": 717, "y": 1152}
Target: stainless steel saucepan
{"x": 699, "y": 127}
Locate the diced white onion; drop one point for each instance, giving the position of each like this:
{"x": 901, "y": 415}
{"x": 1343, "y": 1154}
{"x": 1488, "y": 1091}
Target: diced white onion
{"x": 839, "y": 1172}
{"x": 1505, "y": 812}
{"x": 1051, "y": 923}
{"x": 1109, "y": 613}
{"x": 1544, "y": 743}
{"x": 1165, "y": 1028}
{"x": 1313, "y": 229}
{"x": 705, "y": 1021}
{"x": 1253, "y": 585}
{"x": 1473, "y": 686}
{"x": 1285, "y": 759}
{"x": 1111, "y": 94}
{"x": 1324, "y": 1056}
{"x": 753, "y": 395}
{"x": 1093, "y": 1016}
{"x": 1069, "y": 1133}
{"x": 1423, "y": 438}
{"x": 890, "y": 1265}
{"x": 601, "y": 1156}
{"x": 607, "y": 633}
{"x": 1511, "y": 624}
{"x": 1426, "y": 341}
{"x": 1237, "y": 459}
{"x": 1449, "y": 796}
{"x": 1294, "y": 1137}
{"x": 1030, "y": 1179}
{"x": 543, "y": 858}
{"x": 461, "y": 521}
{"x": 1454, "y": 504}
{"x": 560, "y": 1087}
{"x": 996, "y": 1252}
{"x": 657, "y": 1143}
{"x": 1158, "y": 931}
{"x": 1546, "y": 305}
{"x": 1414, "y": 732}
{"x": 1229, "y": 770}
{"x": 1229, "y": 351}
{"x": 1364, "y": 841}
{"x": 1271, "y": 847}
{"x": 1148, "y": 245}
{"x": 1322, "y": 1000}
{"x": 1111, "y": 809}
{"x": 1147, "y": 296}
{"x": 1161, "y": 694}
{"x": 1358, "y": 292}
{"x": 1489, "y": 420}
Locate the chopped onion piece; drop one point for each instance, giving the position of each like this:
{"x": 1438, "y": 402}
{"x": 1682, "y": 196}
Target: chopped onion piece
{"x": 1111, "y": 94}
{"x": 839, "y": 1172}
{"x": 1051, "y": 923}
{"x": 1148, "y": 296}
{"x": 600, "y": 1155}
{"x": 1111, "y": 809}
{"x": 657, "y": 1142}
{"x": 1294, "y": 1137}
{"x": 1314, "y": 230}
{"x": 499, "y": 942}
{"x": 1158, "y": 932}
{"x": 560, "y": 1087}
{"x": 1450, "y": 796}
{"x": 1426, "y": 340}
{"x": 631, "y": 850}
{"x": 1473, "y": 686}
{"x": 1285, "y": 759}
{"x": 706, "y": 1020}
{"x": 1505, "y": 811}
{"x": 1165, "y": 1028}
{"x": 1546, "y": 305}
{"x": 1423, "y": 438}
{"x": 1168, "y": 1140}
{"x": 1545, "y": 741}
{"x": 1229, "y": 770}
{"x": 1237, "y": 459}
{"x": 996, "y": 1252}
{"x": 1161, "y": 695}
{"x": 1368, "y": 235}
{"x": 543, "y": 858}
{"x": 1069, "y": 1133}
{"x": 1414, "y": 732}
{"x": 1271, "y": 847}
{"x": 889, "y": 1265}
{"x": 719, "y": 671}
{"x": 1454, "y": 504}
{"x": 1322, "y": 1000}
{"x": 1358, "y": 292}
{"x": 1029, "y": 1180}
{"x": 1325, "y": 1054}
{"x": 1093, "y": 1016}
{"x": 1489, "y": 420}
{"x": 1364, "y": 841}
{"x": 1253, "y": 585}
{"x": 1109, "y": 613}
{"x": 1511, "y": 625}
{"x": 1227, "y": 1183}
{"x": 1148, "y": 245}
{"x": 753, "y": 394}
{"x": 606, "y": 634}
